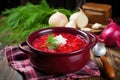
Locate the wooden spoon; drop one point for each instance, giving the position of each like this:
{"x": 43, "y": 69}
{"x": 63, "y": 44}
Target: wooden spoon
{"x": 100, "y": 50}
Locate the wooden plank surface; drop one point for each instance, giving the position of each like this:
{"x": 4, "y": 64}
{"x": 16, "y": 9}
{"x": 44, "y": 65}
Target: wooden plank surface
{"x": 6, "y": 72}
{"x": 113, "y": 57}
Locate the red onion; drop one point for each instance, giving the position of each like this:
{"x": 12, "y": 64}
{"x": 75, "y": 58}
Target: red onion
{"x": 111, "y": 34}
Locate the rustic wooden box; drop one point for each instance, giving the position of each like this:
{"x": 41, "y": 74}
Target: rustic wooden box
{"x": 97, "y": 12}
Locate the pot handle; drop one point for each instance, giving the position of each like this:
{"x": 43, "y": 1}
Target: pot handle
{"x": 24, "y": 47}
{"x": 94, "y": 39}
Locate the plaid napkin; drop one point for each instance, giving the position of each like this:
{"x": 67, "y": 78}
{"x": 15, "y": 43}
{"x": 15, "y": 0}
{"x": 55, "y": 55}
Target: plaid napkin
{"x": 19, "y": 61}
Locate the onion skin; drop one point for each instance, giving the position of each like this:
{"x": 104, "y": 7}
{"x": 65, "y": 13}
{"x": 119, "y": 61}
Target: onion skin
{"x": 58, "y": 19}
{"x": 111, "y": 34}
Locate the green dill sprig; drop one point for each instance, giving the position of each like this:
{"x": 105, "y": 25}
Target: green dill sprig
{"x": 51, "y": 43}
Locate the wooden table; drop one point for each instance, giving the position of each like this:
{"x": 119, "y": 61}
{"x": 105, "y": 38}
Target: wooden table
{"x": 6, "y": 72}
{"x": 113, "y": 56}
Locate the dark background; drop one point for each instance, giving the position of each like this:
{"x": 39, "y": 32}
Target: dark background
{"x": 68, "y": 4}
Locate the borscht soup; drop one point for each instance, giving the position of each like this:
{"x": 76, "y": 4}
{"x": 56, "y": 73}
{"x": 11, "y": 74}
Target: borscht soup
{"x": 59, "y": 43}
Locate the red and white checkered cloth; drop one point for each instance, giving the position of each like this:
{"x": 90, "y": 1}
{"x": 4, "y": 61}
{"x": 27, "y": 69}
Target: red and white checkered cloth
{"x": 19, "y": 61}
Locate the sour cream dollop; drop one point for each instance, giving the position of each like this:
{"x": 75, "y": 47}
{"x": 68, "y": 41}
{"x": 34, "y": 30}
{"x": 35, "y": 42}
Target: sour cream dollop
{"x": 60, "y": 39}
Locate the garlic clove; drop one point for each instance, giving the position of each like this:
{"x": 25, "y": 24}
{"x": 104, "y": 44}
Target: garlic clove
{"x": 71, "y": 24}
{"x": 96, "y": 26}
{"x": 58, "y": 19}
{"x": 86, "y": 29}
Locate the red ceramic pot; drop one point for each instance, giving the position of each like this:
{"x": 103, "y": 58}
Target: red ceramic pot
{"x": 59, "y": 63}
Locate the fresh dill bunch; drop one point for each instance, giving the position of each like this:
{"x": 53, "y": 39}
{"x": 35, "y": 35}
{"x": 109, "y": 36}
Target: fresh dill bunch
{"x": 19, "y": 22}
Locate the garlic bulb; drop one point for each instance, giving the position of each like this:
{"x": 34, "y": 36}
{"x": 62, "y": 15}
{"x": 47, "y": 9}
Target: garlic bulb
{"x": 58, "y": 19}
{"x": 71, "y": 24}
{"x": 74, "y": 16}
{"x": 81, "y": 20}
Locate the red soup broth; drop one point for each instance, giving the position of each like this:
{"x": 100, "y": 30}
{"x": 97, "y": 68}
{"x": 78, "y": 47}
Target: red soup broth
{"x": 73, "y": 43}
